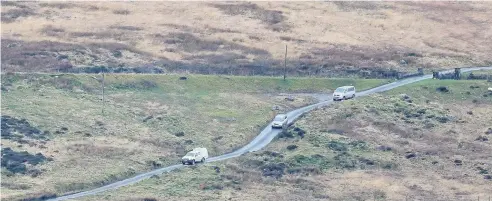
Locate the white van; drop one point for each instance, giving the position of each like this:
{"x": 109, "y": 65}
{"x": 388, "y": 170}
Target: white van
{"x": 344, "y": 93}
{"x": 197, "y": 154}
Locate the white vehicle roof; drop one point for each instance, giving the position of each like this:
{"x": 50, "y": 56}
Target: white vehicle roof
{"x": 346, "y": 87}
{"x": 281, "y": 115}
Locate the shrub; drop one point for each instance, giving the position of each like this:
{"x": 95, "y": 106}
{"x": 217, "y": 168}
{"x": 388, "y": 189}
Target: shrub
{"x": 292, "y": 147}
{"x": 410, "y": 155}
{"x": 384, "y": 148}
{"x": 443, "y": 119}
{"x": 269, "y": 17}
{"x": 127, "y": 28}
{"x": 179, "y": 134}
{"x": 300, "y": 131}
{"x": 139, "y": 85}
{"x": 345, "y": 161}
{"x": 14, "y": 161}
{"x": 12, "y": 14}
{"x": 39, "y": 197}
{"x": 482, "y": 139}
{"x": 359, "y": 144}
{"x": 57, "y": 5}
{"x": 337, "y": 146}
{"x": 458, "y": 162}
{"x": 389, "y": 166}
{"x": 286, "y": 134}
{"x": 276, "y": 170}
{"x": 272, "y": 154}
{"x": 121, "y": 12}
{"x": 117, "y": 54}
{"x": 442, "y": 89}
{"x": 12, "y": 126}
{"x": 50, "y": 30}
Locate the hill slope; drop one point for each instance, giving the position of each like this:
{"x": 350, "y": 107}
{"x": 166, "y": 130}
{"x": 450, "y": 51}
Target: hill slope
{"x": 427, "y": 144}
{"x": 245, "y": 38}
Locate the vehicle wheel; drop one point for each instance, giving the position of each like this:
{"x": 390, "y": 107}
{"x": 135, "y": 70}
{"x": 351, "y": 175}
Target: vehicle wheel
{"x": 184, "y": 163}
{"x": 193, "y": 162}
{"x": 203, "y": 160}
{"x": 344, "y": 98}
{"x": 353, "y": 96}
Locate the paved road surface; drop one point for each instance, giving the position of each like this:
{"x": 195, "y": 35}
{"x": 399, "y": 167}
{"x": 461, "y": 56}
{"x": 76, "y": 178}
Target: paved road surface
{"x": 263, "y": 139}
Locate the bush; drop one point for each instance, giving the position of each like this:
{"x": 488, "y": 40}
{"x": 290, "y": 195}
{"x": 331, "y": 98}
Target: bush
{"x": 384, "y": 148}
{"x": 292, "y": 147}
{"x": 147, "y": 118}
{"x": 179, "y": 134}
{"x": 276, "y": 170}
{"x": 117, "y": 54}
{"x": 410, "y": 155}
{"x": 286, "y": 134}
{"x": 121, "y": 12}
{"x": 443, "y": 119}
{"x": 345, "y": 161}
{"x": 442, "y": 89}
{"x": 300, "y": 132}
{"x": 482, "y": 139}
{"x": 272, "y": 154}
{"x": 337, "y": 146}
{"x": 41, "y": 197}
{"x": 359, "y": 144}
{"x": 336, "y": 131}
{"x": 12, "y": 14}
{"x": 139, "y": 85}
{"x": 14, "y": 161}
{"x": 16, "y": 129}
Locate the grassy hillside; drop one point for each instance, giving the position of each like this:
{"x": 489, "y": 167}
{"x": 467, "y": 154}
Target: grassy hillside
{"x": 427, "y": 144}
{"x": 55, "y": 138}
{"x": 329, "y": 38}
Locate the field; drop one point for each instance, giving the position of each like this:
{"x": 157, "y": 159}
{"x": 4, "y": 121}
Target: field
{"x": 369, "y": 39}
{"x": 424, "y": 141}
{"x": 149, "y": 121}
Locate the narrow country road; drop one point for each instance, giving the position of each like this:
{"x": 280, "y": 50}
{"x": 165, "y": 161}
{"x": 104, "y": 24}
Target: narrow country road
{"x": 263, "y": 139}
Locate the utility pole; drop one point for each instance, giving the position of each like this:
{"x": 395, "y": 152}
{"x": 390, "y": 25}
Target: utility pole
{"x": 103, "y": 92}
{"x": 285, "y": 62}
{"x": 102, "y": 89}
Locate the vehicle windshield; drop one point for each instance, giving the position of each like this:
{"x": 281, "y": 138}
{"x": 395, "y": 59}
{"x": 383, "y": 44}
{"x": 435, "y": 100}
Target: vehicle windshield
{"x": 341, "y": 90}
{"x": 190, "y": 154}
{"x": 279, "y": 118}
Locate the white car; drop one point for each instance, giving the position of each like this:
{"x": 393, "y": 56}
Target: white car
{"x": 197, "y": 154}
{"x": 280, "y": 121}
{"x": 344, "y": 93}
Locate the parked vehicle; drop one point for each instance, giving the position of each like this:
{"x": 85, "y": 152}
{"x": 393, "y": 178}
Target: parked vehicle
{"x": 344, "y": 93}
{"x": 280, "y": 121}
{"x": 197, "y": 154}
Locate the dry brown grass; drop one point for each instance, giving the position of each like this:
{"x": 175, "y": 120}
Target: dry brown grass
{"x": 336, "y": 35}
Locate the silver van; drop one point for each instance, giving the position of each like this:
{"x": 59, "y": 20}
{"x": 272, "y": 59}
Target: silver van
{"x": 344, "y": 93}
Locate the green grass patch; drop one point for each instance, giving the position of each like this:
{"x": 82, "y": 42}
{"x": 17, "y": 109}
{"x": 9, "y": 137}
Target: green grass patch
{"x": 458, "y": 90}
